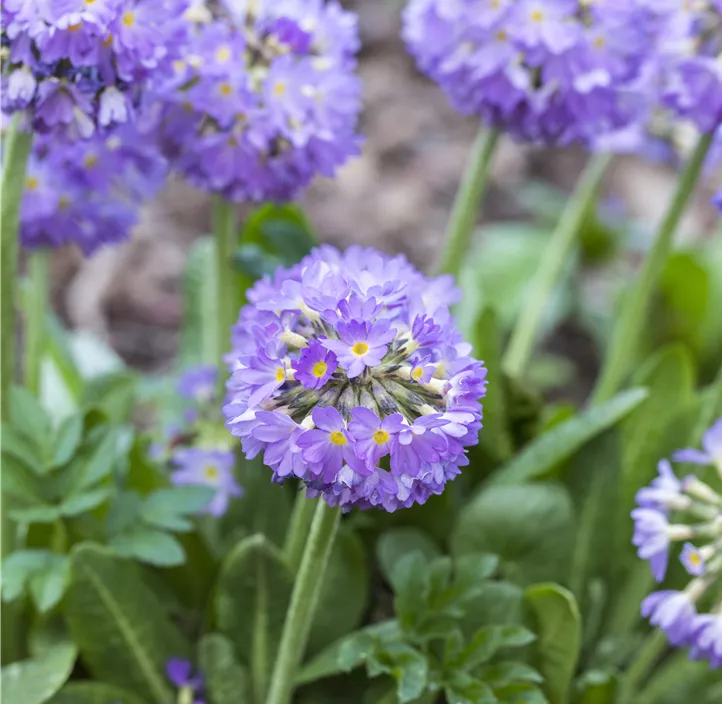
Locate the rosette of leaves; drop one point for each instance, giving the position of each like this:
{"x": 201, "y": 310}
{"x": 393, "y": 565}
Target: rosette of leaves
{"x": 428, "y": 648}
{"x": 83, "y": 480}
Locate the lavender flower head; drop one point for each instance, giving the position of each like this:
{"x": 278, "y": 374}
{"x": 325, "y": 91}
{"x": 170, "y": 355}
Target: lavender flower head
{"x": 545, "y": 71}
{"x": 325, "y": 381}
{"x": 81, "y": 66}
{"x": 699, "y": 508}
{"x": 88, "y": 193}
{"x": 265, "y": 97}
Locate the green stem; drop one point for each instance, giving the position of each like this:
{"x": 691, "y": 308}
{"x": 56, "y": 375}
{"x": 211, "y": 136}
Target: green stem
{"x": 630, "y": 323}
{"x": 298, "y": 530}
{"x": 16, "y": 152}
{"x": 224, "y": 228}
{"x": 468, "y": 199}
{"x": 36, "y": 317}
{"x": 306, "y": 590}
{"x": 652, "y": 649}
{"x": 556, "y": 256}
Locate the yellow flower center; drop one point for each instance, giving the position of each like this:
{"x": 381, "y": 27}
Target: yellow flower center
{"x": 537, "y": 16}
{"x": 225, "y": 89}
{"x": 695, "y": 560}
{"x": 128, "y": 19}
{"x": 211, "y": 473}
{"x": 381, "y": 436}
{"x": 501, "y": 36}
{"x": 31, "y": 183}
{"x": 90, "y": 161}
{"x": 63, "y": 202}
{"x": 108, "y": 40}
{"x": 360, "y": 349}
{"x": 279, "y": 89}
{"x": 223, "y": 54}
{"x": 600, "y": 41}
{"x": 417, "y": 373}
{"x": 319, "y": 369}
{"x": 338, "y": 438}
{"x": 90, "y": 2}
{"x": 75, "y": 27}
{"x": 281, "y": 374}
{"x": 179, "y": 65}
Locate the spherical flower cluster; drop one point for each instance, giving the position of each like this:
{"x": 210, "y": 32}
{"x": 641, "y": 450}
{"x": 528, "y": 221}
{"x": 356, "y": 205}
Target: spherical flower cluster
{"x": 88, "y": 193}
{"x": 79, "y": 65}
{"x": 198, "y": 448}
{"x": 676, "y": 612}
{"x": 545, "y": 71}
{"x": 265, "y": 97}
{"x": 349, "y": 373}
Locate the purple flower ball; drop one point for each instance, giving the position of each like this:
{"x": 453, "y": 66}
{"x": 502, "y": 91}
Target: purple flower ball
{"x": 324, "y": 379}
{"x": 545, "y": 71}
{"x": 264, "y": 99}
{"x": 82, "y": 67}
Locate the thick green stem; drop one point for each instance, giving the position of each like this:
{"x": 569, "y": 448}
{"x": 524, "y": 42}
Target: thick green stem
{"x": 467, "y": 203}
{"x": 298, "y": 530}
{"x": 36, "y": 317}
{"x": 651, "y": 651}
{"x": 555, "y": 257}
{"x": 630, "y": 323}
{"x": 16, "y": 152}
{"x": 306, "y": 590}
{"x": 224, "y": 228}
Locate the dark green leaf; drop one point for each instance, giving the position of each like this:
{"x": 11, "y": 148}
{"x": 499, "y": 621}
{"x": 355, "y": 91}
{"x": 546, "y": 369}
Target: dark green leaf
{"x": 113, "y": 394}
{"x": 411, "y": 588}
{"x": 95, "y": 693}
{"x": 19, "y": 567}
{"x": 20, "y": 447}
{"x": 88, "y": 500}
{"x": 523, "y": 693}
{"x": 121, "y": 627}
{"x": 463, "y": 688}
{"x": 471, "y": 571}
{"x": 344, "y": 593}
{"x": 29, "y": 418}
{"x": 66, "y": 441}
{"x": 395, "y": 543}
{"x": 501, "y": 674}
{"x": 253, "y": 593}
{"x": 549, "y": 450}
{"x": 481, "y": 648}
{"x": 408, "y": 667}
{"x": 529, "y": 527}
{"x": 597, "y": 687}
{"x": 48, "y": 585}
{"x": 36, "y": 514}
{"x": 19, "y": 481}
{"x": 35, "y": 681}
{"x": 560, "y": 632}
{"x": 226, "y": 682}
{"x": 151, "y": 546}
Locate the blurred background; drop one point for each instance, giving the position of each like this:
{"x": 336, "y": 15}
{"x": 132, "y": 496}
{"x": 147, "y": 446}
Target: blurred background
{"x": 397, "y": 197}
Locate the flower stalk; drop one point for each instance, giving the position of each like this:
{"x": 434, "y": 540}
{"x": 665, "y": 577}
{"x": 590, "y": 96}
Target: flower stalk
{"x": 468, "y": 199}
{"x": 630, "y": 324}
{"x": 304, "y": 599}
{"x": 298, "y": 529}
{"x": 36, "y": 316}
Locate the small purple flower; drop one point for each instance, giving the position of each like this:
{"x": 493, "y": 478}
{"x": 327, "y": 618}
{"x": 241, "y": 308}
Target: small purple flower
{"x": 419, "y": 444}
{"x": 281, "y": 434}
{"x": 361, "y": 344}
{"x": 180, "y": 674}
{"x": 328, "y": 446}
{"x": 198, "y": 383}
{"x": 264, "y": 374}
{"x": 315, "y": 365}
{"x": 421, "y": 371}
{"x": 374, "y": 437}
{"x": 711, "y": 453}
{"x": 705, "y": 638}
{"x": 213, "y": 468}
{"x": 651, "y": 536}
{"x": 673, "y": 612}
{"x": 693, "y": 560}
{"x": 664, "y": 489}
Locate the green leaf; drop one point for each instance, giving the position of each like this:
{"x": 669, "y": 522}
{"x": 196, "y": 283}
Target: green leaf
{"x": 66, "y": 440}
{"x": 88, "y": 500}
{"x": 151, "y": 546}
{"x": 109, "y": 445}
{"x": 165, "y": 508}
{"x": 35, "y": 681}
{"x": 597, "y": 687}
{"x": 35, "y": 514}
{"x": 121, "y": 627}
{"x": 530, "y": 527}
{"x": 95, "y": 693}
{"x": 252, "y": 596}
{"x": 560, "y": 631}
{"x": 29, "y": 418}
{"x": 344, "y": 593}
{"x": 226, "y": 681}
{"x": 514, "y": 636}
{"x": 398, "y": 542}
{"x": 481, "y": 648}
{"x": 471, "y": 571}
{"x": 19, "y": 481}
{"x": 410, "y": 579}
{"x": 522, "y": 693}
{"x": 501, "y": 674}
{"x": 19, "y": 567}
{"x": 48, "y": 585}
{"x": 113, "y": 394}
{"x": 540, "y": 457}
{"x": 407, "y": 666}
{"x": 463, "y": 688}
{"x": 19, "y": 446}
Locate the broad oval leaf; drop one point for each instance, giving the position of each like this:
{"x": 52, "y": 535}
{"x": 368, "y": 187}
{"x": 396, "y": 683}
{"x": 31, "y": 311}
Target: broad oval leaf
{"x": 530, "y": 528}
{"x": 151, "y": 546}
{"x": 560, "y": 632}
{"x": 225, "y": 679}
{"x": 120, "y": 625}
{"x": 396, "y": 543}
{"x": 35, "y": 681}
{"x": 95, "y": 693}
{"x": 540, "y": 457}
